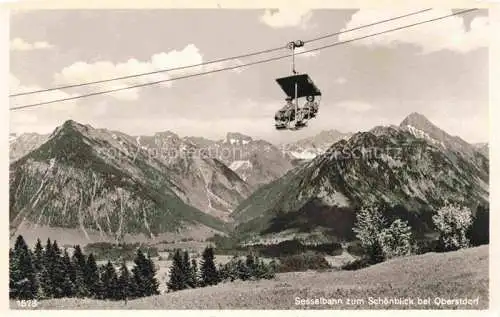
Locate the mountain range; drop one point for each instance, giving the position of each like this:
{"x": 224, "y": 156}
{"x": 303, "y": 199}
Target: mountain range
{"x": 257, "y": 162}
{"x": 97, "y": 180}
{"x": 308, "y": 148}
{"x": 411, "y": 169}
{"x": 105, "y": 181}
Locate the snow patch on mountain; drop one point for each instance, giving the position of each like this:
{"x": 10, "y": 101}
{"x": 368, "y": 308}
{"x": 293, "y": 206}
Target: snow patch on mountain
{"x": 236, "y": 165}
{"x": 305, "y": 155}
{"x": 423, "y": 135}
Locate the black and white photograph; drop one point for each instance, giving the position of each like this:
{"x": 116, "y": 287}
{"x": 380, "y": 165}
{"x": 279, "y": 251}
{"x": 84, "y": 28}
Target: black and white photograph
{"x": 267, "y": 158}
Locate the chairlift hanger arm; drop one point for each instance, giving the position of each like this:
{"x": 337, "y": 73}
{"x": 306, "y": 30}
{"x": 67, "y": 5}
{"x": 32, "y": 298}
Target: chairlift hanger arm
{"x": 292, "y": 45}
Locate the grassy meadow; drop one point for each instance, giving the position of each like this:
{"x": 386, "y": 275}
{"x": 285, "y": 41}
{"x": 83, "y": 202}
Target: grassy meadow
{"x": 451, "y": 275}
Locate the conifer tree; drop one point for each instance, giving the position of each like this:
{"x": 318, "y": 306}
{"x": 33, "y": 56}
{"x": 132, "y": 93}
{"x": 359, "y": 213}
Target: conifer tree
{"x": 242, "y": 270}
{"x": 67, "y": 287}
{"x": 229, "y": 271}
{"x": 137, "y": 276}
{"x": 14, "y": 275}
{"x": 144, "y": 272}
{"x": 69, "y": 274}
{"x": 264, "y": 271}
{"x": 79, "y": 264}
{"x": 251, "y": 264}
{"x": 209, "y": 274}
{"x": 114, "y": 283}
{"x": 194, "y": 274}
{"x": 101, "y": 287}
{"x": 22, "y": 277}
{"x": 38, "y": 256}
{"x": 48, "y": 246}
{"x": 178, "y": 279}
{"x": 46, "y": 275}
{"x": 186, "y": 264}
{"x": 80, "y": 286}
{"x": 78, "y": 258}
{"x": 125, "y": 286}
{"x": 188, "y": 270}
{"x": 91, "y": 277}
{"x": 69, "y": 266}
{"x": 153, "y": 282}
{"x": 109, "y": 282}
{"x": 56, "y": 249}
{"x": 58, "y": 272}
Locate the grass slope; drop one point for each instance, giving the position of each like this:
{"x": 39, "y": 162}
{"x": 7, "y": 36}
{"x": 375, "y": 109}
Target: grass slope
{"x": 459, "y": 274}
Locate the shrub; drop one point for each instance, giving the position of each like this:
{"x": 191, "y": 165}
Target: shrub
{"x": 118, "y": 252}
{"x": 228, "y": 271}
{"x": 452, "y": 223}
{"x": 396, "y": 240}
{"x": 264, "y": 271}
{"x": 332, "y": 249}
{"x": 426, "y": 245}
{"x": 368, "y": 226}
{"x": 252, "y": 268}
{"x": 379, "y": 241}
{"x": 356, "y": 264}
{"x": 355, "y": 248}
{"x": 303, "y": 262}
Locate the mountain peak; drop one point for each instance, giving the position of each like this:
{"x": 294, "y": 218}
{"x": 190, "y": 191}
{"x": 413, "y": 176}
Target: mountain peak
{"x": 166, "y": 134}
{"x": 69, "y": 127}
{"x": 70, "y": 122}
{"x": 418, "y": 125}
{"x": 237, "y": 138}
{"x": 329, "y": 133}
{"x": 74, "y": 124}
{"x": 416, "y": 119}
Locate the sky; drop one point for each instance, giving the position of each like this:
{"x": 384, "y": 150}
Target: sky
{"x": 439, "y": 69}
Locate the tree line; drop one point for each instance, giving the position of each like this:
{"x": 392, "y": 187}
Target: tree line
{"x": 49, "y": 272}
{"x": 184, "y": 272}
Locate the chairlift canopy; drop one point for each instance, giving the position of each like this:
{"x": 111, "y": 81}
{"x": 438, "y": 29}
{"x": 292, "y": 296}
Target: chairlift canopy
{"x": 305, "y": 86}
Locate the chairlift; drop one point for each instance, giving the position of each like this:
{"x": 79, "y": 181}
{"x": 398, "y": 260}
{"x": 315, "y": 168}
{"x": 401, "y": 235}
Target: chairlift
{"x": 296, "y": 86}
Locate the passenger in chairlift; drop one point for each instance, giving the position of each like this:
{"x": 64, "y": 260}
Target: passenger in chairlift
{"x": 287, "y": 113}
{"x": 310, "y": 108}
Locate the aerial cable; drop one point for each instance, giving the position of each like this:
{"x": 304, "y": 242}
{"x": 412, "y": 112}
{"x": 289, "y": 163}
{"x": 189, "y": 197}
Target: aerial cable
{"x": 211, "y": 62}
{"x": 242, "y": 65}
